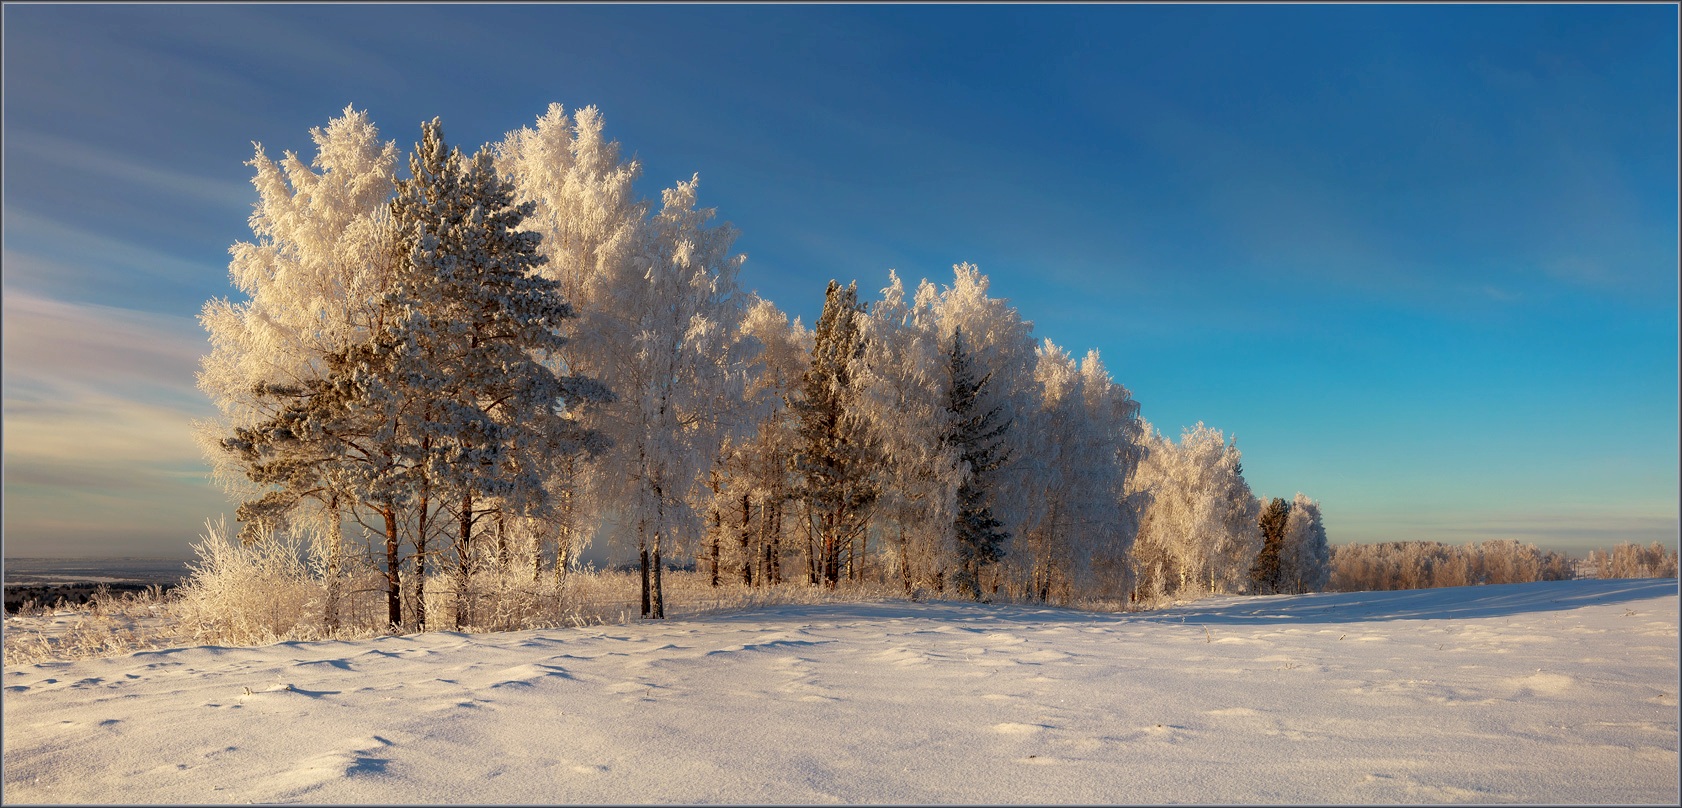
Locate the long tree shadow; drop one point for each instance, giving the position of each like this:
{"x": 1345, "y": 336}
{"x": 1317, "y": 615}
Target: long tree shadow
{"x": 1448, "y": 603}
{"x": 1451, "y": 603}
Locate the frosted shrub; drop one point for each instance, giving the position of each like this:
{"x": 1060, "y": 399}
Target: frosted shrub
{"x": 245, "y": 594}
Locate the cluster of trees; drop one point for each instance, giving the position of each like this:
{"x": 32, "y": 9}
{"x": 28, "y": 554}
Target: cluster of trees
{"x": 1428, "y": 564}
{"x": 487, "y": 364}
{"x": 1629, "y": 560}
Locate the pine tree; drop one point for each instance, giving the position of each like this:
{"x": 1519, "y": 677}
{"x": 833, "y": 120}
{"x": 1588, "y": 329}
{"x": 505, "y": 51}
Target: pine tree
{"x": 475, "y": 321}
{"x": 837, "y": 456}
{"x": 1267, "y": 575}
{"x": 975, "y": 433}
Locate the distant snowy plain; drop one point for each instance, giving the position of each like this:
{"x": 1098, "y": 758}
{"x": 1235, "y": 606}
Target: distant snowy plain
{"x": 1561, "y": 692}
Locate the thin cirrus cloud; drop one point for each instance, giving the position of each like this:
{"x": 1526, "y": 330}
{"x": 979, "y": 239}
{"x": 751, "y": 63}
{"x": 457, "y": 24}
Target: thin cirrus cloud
{"x": 48, "y": 256}
{"x": 148, "y": 177}
{"x": 61, "y": 346}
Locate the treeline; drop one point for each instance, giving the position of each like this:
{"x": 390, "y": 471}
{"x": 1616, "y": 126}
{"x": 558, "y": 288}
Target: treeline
{"x": 1629, "y": 560}
{"x": 443, "y": 386}
{"x": 1426, "y": 564}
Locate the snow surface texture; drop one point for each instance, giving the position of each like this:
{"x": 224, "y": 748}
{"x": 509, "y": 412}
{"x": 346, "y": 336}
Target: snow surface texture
{"x": 1562, "y": 692}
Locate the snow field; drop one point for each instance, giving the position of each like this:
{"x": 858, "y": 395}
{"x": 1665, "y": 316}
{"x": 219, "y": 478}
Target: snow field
{"x": 1560, "y": 692}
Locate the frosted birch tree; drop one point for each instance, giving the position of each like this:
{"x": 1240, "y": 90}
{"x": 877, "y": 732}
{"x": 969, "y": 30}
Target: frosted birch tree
{"x": 591, "y": 222}
{"x": 755, "y": 482}
{"x": 1304, "y": 556}
{"x": 678, "y": 377}
{"x": 320, "y": 259}
{"x": 1084, "y": 452}
{"x": 1114, "y": 417}
{"x": 1199, "y": 533}
{"x": 902, "y": 390}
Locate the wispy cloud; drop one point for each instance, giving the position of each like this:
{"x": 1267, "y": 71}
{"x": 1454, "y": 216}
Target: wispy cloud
{"x": 43, "y": 253}
{"x": 127, "y": 168}
{"x": 59, "y": 346}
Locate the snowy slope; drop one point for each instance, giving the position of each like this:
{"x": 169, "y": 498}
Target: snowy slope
{"x": 1542, "y": 693}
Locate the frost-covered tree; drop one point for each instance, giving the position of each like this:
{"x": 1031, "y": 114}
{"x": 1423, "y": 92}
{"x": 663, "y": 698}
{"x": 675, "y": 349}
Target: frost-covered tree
{"x": 1001, "y": 346}
{"x": 1199, "y": 533}
{"x": 906, "y": 396}
{"x": 320, "y": 259}
{"x": 591, "y": 224}
{"x": 679, "y": 376}
{"x": 1084, "y": 452}
{"x": 837, "y": 456}
{"x": 902, "y": 400}
{"x": 1304, "y": 557}
{"x": 660, "y": 311}
{"x": 1115, "y": 522}
{"x": 755, "y": 482}
{"x": 472, "y": 322}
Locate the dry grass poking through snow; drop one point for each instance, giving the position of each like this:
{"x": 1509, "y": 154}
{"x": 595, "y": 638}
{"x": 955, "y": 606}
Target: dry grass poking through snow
{"x": 252, "y": 614}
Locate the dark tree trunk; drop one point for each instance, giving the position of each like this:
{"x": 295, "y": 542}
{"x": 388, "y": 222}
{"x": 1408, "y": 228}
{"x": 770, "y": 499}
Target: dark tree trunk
{"x": 746, "y": 537}
{"x": 659, "y": 598}
{"x": 643, "y": 559}
{"x": 420, "y": 566}
{"x": 335, "y": 533}
{"x": 714, "y": 549}
{"x": 464, "y": 562}
{"x": 393, "y": 582}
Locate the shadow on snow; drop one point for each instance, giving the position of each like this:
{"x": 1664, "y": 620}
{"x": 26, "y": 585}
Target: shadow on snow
{"x": 1448, "y": 603}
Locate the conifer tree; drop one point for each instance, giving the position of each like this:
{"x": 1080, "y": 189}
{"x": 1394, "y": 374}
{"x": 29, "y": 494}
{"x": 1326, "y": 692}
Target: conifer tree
{"x": 1267, "y": 575}
{"x": 837, "y": 456}
{"x": 975, "y": 433}
{"x": 475, "y": 321}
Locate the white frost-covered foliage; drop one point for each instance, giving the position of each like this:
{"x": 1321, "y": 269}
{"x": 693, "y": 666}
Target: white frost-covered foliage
{"x": 590, "y": 222}
{"x": 906, "y": 396}
{"x": 1086, "y": 447}
{"x": 681, "y": 376}
{"x": 1199, "y": 534}
{"x": 660, "y": 324}
{"x": 1304, "y": 556}
{"x": 310, "y": 280}
{"x": 902, "y": 394}
{"x": 753, "y": 484}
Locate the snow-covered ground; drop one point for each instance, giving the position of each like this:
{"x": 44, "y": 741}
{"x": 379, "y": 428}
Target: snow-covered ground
{"x": 1541, "y": 693}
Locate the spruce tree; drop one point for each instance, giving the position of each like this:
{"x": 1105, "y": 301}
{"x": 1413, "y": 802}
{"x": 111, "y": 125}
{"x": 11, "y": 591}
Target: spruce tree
{"x": 975, "y": 436}
{"x": 1267, "y": 572}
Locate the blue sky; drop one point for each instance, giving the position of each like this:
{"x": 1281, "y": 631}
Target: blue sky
{"x": 1421, "y": 260}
